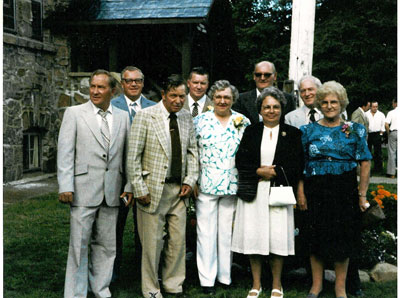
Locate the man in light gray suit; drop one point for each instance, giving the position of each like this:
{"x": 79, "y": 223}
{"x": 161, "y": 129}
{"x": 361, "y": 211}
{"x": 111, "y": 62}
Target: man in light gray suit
{"x": 197, "y": 83}
{"x": 163, "y": 168}
{"x": 359, "y": 114}
{"x": 132, "y": 101}
{"x": 92, "y": 147}
{"x": 308, "y": 86}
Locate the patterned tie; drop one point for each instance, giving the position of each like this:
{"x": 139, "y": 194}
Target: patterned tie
{"x": 105, "y": 130}
{"x": 312, "y": 117}
{"x": 176, "y": 160}
{"x": 133, "y": 108}
{"x": 195, "y": 110}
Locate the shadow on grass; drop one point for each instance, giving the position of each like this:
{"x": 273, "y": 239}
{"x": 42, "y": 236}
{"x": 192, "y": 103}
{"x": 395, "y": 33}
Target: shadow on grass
{"x": 36, "y": 236}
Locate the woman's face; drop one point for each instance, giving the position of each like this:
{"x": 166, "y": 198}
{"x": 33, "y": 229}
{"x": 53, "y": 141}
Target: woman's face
{"x": 270, "y": 111}
{"x": 223, "y": 100}
{"x": 330, "y": 107}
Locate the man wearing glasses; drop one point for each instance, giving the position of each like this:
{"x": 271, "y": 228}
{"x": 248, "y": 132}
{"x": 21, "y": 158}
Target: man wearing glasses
{"x": 132, "y": 101}
{"x": 264, "y": 75}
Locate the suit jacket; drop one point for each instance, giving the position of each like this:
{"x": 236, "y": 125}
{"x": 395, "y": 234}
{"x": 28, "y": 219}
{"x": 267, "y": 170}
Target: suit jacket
{"x": 148, "y": 154}
{"x": 359, "y": 117}
{"x": 120, "y": 103}
{"x": 288, "y": 155}
{"x": 298, "y": 117}
{"x": 205, "y": 108}
{"x": 83, "y": 167}
{"x": 246, "y": 105}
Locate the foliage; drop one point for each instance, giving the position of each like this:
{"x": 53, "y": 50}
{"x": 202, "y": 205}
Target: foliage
{"x": 354, "y": 43}
{"x": 379, "y": 244}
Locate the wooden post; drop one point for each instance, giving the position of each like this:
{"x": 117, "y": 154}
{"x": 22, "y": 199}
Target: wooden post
{"x": 302, "y": 39}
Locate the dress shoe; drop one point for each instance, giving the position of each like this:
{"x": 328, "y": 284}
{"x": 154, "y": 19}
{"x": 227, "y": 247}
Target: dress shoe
{"x": 210, "y": 291}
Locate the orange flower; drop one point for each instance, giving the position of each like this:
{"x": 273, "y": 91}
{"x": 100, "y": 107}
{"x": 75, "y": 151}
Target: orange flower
{"x": 380, "y": 203}
{"x": 373, "y": 193}
{"x": 380, "y": 186}
{"x": 380, "y": 197}
{"x": 394, "y": 196}
{"x": 383, "y": 192}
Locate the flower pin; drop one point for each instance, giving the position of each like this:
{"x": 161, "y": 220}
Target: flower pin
{"x": 346, "y": 128}
{"x": 283, "y": 133}
{"x": 238, "y": 122}
{"x": 210, "y": 108}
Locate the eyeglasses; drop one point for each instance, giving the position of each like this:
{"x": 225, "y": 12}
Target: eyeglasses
{"x": 265, "y": 74}
{"x": 130, "y": 81}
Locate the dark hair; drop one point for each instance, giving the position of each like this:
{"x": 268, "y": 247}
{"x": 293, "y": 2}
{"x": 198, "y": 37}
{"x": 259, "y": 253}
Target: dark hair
{"x": 111, "y": 81}
{"x": 200, "y": 71}
{"x": 131, "y": 68}
{"x": 363, "y": 102}
{"x": 172, "y": 82}
{"x": 273, "y": 92}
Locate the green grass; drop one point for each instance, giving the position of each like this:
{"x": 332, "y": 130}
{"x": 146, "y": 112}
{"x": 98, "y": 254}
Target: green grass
{"x": 36, "y": 236}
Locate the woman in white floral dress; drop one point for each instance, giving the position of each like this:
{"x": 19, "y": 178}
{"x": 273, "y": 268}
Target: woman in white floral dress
{"x": 218, "y": 133}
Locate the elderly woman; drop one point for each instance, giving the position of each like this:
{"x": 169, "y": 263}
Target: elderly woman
{"x": 269, "y": 151}
{"x": 218, "y": 133}
{"x": 332, "y": 150}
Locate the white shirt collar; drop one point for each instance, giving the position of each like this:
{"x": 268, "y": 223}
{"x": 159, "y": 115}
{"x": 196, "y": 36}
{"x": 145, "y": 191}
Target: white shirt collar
{"x": 96, "y": 109}
{"x": 137, "y": 101}
{"x": 201, "y": 101}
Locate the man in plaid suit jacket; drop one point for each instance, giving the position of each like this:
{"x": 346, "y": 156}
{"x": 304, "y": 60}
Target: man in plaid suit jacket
{"x": 160, "y": 195}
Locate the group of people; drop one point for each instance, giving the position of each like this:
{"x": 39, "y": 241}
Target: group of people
{"x": 224, "y": 149}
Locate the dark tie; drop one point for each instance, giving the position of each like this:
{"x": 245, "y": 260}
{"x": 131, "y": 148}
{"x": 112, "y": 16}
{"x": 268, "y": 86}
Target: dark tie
{"x": 311, "y": 113}
{"x": 195, "y": 110}
{"x": 176, "y": 160}
{"x": 105, "y": 130}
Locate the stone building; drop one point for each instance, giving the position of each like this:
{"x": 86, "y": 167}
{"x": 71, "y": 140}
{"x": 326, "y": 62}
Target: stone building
{"x": 50, "y": 47}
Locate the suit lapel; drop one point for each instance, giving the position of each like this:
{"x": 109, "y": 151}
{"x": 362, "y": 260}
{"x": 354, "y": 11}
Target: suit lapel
{"x": 115, "y": 127}
{"x": 252, "y": 106}
{"x": 91, "y": 121}
{"x": 159, "y": 128}
{"x": 206, "y": 104}
{"x": 281, "y": 144}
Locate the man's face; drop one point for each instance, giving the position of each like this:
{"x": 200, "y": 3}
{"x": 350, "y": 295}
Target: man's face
{"x": 132, "y": 83}
{"x": 174, "y": 98}
{"x": 100, "y": 91}
{"x": 374, "y": 107}
{"x": 264, "y": 76}
{"x": 308, "y": 90}
{"x": 198, "y": 85}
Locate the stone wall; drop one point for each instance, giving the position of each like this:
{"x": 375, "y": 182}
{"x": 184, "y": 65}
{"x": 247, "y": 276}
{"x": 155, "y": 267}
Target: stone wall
{"x": 35, "y": 75}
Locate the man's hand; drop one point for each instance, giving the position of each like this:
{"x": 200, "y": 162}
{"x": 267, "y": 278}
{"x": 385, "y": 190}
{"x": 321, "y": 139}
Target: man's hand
{"x": 145, "y": 200}
{"x": 129, "y": 197}
{"x": 185, "y": 190}
{"x": 266, "y": 172}
{"x": 66, "y": 197}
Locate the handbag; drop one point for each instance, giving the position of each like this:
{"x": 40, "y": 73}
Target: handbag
{"x": 280, "y": 196}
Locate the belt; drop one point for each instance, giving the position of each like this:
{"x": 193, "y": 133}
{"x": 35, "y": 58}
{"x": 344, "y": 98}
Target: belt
{"x": 173, "y": 180}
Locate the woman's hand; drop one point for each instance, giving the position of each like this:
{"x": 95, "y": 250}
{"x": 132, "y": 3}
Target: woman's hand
{"x": 266, "y": 172}
{"x": 301, "y": 197}
{"x": 362, "y": 202}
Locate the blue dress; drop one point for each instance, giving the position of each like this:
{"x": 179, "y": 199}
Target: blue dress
{"x": 331, "y": 188}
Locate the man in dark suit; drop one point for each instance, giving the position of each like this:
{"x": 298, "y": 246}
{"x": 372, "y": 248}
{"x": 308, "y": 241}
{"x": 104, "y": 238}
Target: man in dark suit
{"x": 92, "y": 147}
{"x": 132, "y": 101}
{"x": 197, "y": 101}
{"x": 264, "y": 76}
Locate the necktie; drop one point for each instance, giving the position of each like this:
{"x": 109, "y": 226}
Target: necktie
{"x": 176, "y": 160}
{"x": 105, "y": 130}
{"x": 312, "y": 117}
{"x": 133, "y": 108}
{"x": 195, "y": 110}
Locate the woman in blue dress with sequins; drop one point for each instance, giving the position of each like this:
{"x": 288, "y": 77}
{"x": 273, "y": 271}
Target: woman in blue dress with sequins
{"x": 218, "y": 134}
{"x": 332, "y": 150}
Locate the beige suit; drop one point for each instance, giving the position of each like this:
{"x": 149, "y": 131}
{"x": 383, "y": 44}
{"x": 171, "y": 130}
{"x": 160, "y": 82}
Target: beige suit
{"x": 147, "y": 169}
{"x": 360, "y": 117}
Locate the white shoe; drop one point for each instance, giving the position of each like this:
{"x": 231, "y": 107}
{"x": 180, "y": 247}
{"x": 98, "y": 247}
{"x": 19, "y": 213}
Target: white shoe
{"x": 256, "y": 292}
{"x": 280, "y": 292}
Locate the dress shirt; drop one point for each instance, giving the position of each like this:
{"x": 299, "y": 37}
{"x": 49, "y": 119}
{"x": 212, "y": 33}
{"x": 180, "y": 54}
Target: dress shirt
{"x": 376, "y": 121}
{"x": 201, "y": 102}
{"x": 391, "y": 119}
{"x": 109, "y": 116}
{"x": 165, "y": 117}
{"x": 129, "y": 103}
{"x": 317, "y": 114}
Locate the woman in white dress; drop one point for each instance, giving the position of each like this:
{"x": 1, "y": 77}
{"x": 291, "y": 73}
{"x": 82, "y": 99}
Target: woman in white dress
{"x": 269, "y": 151}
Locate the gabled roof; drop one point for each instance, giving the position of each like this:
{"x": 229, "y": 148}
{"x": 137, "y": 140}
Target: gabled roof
{"x": 149, "y": 11}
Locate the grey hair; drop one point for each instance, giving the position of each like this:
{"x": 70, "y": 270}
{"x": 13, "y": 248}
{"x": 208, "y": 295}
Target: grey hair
{"x": 335, "y": 88}
{"x": 222, "y": 85}
{"x": 131, "y": 68}
{"x": 270, "y": 63}
{"x": 273, "y": 92}
{"x": 315, "y": 80}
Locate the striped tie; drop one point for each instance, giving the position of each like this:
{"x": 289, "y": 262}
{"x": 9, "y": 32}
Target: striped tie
{"x": 105, "y": 130}
{"x": 195, "y": 110}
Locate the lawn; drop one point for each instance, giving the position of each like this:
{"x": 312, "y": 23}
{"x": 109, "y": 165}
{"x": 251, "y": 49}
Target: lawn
{"x": 36, "y": 236}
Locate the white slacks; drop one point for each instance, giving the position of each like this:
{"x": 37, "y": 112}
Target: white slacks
{"x": 214, "y": 236}
{"x": 94, "y": 226}
{"x": 392, "y": 153}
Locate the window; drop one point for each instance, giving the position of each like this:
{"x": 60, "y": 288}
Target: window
{"x": 9, "y": 16}
{"x": 37, "y": 19}
{"x": 31, "y": 151}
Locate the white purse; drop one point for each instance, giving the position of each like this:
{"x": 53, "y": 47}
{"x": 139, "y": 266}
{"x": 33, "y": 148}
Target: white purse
{"x": 280, "y": 196}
